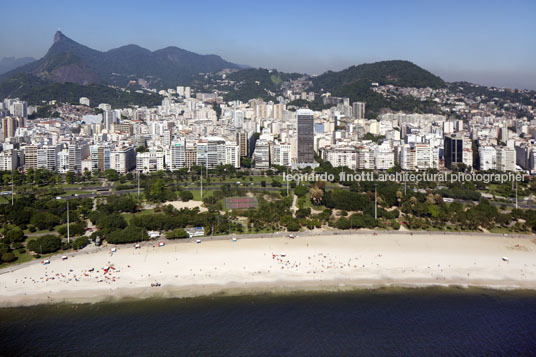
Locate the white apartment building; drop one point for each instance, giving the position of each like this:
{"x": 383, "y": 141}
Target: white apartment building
{"x": 488, "y": 158}
{"x": 123, "y": 159}
{"x": 282, "y": 154}
{"x": 8, "y": 160}
{"x": 506, "y": 159}
{"x": 232, "y": 154}
{"x": 151, "y": 161}
{"x": 384, "y": 157}
{"x": 340, "y": 156}
{"x": 261, "y": 155}
{"x": 365, "y": 158}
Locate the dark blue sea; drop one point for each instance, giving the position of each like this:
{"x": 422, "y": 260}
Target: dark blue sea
{"x": 391, "y": 321}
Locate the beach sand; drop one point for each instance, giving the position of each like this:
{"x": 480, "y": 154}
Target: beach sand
{"x": 277, "y": 264}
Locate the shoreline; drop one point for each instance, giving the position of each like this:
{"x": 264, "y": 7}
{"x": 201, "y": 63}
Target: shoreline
{"x": 229, "y": 290}
{"x": 310, "y": 263}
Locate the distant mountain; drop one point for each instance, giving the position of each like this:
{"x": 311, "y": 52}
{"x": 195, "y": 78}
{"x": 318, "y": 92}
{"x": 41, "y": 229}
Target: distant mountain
{"x": 355, "y": 83}
{"x": 9, "y": 63}
{"x": 257, "y": 83}
{"x": 399, "y": 73}
{"x": 69, "y": 61}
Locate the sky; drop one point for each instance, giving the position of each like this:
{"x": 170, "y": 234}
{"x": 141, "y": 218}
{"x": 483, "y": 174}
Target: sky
{"x": 486, "y": 42}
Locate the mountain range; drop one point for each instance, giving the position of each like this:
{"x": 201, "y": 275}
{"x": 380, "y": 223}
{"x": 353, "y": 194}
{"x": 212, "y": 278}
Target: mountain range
{"x": 9, "y": 63}
{"x": 70, "y": 69}
{"x": 68, "y": 61}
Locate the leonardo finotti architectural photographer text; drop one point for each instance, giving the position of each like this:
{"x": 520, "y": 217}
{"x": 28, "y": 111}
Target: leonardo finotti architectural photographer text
{"x": 408, "y": 177}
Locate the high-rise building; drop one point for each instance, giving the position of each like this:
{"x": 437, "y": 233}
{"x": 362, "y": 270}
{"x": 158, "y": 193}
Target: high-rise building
{"x": 100, "y": 157}
{"x": 358, "y": 110}
{"x": 46, "y": 157}
{"x": 282, "y": 154}
{"x": 506, "y": 159}
{"x": 305, "y": 125}
{"x": 177, "y": 155}
{"x": 9, "y": 125}
{"x": 20, "y": 109}
{"x": 365, "y": 158}
{"x": 123, "y": 159}
{"x": 242, "y": 140}
{"x": 232, "y": 154}
{"x": 453, "y": 150}
{"x": 238, "y": 118}
{"x": 74, "y": 158}
{"x": 384, "y": 157}
{"x": 151, "y": 161}
{"x": 407, "y": 157}
{"x": 340, "y": 156}
{"x": 62, "y": 161}
{"x": 108, "y": 119}
{"x": 8, "y": 160}
{"x": 488, "y": 158}
{"x": 261, "y": 155}
{"x": 30, "y": 157}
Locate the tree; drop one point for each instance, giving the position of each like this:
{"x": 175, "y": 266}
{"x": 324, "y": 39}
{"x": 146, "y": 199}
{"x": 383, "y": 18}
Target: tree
{"x": 45, "y": 244}
{"x": 111, "y": 175}
{"x": 316, "y": 195}
{"x": 45, "y": 220}
{"x": 130, "y": 234}
{"x": 177, "y": 234}
{"x": 300, "y": 190}
{"x": 14, "y": 235}
{"x": 186, "y": 196}
{"x": 69, "y": 177}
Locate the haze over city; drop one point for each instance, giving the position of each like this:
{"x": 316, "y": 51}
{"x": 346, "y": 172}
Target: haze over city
{"x": 483, "y": 42}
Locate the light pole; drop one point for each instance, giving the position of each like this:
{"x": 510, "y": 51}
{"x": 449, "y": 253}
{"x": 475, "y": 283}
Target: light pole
{"x": 68, "y": 235}
{"x": 375, "y": 201}
{"x": 287, "y": 181}
{"x": 201, "y": 175}
{"x": 516, "y": 194}
{"x": 12, "y": 188}
{"x": 138, "y": 175}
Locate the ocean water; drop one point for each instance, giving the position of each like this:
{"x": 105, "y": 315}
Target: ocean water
{"x": 390, "y": 321}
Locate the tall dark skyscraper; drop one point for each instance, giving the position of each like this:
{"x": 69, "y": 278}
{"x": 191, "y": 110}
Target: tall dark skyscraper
{"x": 453, "y": 150}
{"x": 305, "y": 136}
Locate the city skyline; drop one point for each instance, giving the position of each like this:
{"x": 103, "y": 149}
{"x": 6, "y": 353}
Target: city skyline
{"x": 479, "y": 42}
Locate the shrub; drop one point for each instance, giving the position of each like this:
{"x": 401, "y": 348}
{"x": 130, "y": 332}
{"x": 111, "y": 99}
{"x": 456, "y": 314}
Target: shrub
{"x": 8, "y": 257}
{"x": 293, "y": 226}
{"x": 80, "y": 242}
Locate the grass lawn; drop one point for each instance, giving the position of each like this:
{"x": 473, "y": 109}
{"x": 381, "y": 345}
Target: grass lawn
{"x": 197, "y": 194}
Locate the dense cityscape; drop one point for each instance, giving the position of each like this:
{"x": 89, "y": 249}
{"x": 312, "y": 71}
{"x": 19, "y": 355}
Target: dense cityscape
{"x": 196, "y": 128}
{"x": 352, "y": 178}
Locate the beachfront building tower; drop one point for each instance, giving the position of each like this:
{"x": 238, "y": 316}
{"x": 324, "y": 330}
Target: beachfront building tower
{"x": 305, "y": 125}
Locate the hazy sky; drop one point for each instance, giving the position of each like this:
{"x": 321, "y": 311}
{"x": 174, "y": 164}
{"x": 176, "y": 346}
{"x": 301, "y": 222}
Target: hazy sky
{"x": 487, "y": 42}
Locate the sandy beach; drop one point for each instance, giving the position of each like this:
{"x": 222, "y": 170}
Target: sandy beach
{"x": 274, "y": 264}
